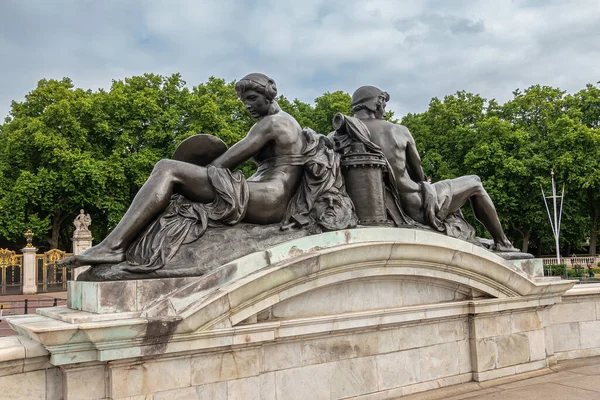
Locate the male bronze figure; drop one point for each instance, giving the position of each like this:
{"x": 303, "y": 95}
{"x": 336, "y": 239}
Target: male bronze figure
{"x": 426, "y": 203}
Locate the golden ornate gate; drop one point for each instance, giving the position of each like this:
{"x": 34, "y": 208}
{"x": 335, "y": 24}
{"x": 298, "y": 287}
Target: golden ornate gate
{"x": 51, "y": 277}
{"x": 11, "y": 272}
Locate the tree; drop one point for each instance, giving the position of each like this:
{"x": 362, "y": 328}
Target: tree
{"x": 326, "y": 106}
{"x": 580, "y": 151}
{"x": 512, "y": 147}
{"x": 48, "y": 166}
{"x": 302, "y": 112}
{"x": 66, "y": 148}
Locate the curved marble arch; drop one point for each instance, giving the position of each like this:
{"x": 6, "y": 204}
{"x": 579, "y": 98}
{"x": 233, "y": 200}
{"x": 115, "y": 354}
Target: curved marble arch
{"x": 264, "y": 279}
{"x": 218, "y": 309}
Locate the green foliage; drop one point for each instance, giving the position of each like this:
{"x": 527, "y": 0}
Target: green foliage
{"x": 512, "y": 147}
{"x": 319, "y": 116}
{"x": 555, "y": 269}
{"x": 64, "y": 148}
{"x": 575, "y": 273}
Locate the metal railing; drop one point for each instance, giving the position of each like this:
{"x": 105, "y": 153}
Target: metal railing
{"x": 27, "y": 306}
{"x": 11, "y": 272}
{"x": 49, "y": 276}
{"x": 572, "y": 261}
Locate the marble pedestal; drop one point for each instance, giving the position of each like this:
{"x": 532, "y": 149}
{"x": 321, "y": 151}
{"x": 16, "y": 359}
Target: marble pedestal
{"x": 370, "y": 313}
{"x": 82, "y": 240}
{"x": 29, "y": 270}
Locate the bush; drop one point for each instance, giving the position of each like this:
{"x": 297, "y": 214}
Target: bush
{"x": 575, "y": 273}
{"x": 555, "y": 269}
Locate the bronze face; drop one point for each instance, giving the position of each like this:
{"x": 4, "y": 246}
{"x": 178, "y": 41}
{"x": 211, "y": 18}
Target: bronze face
{"x": 256, "y": 103}
{"x": 380, "y": 104}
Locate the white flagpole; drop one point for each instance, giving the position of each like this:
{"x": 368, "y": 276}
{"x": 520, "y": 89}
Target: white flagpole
{"x": 556, "y": 219}
{"x": 556, "y": 228}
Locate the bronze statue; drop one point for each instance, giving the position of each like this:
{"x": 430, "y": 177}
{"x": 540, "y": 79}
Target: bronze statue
{"x": 297, "y": 184}
{"x": 426, "y": 203}
{"x": 298, "y": 189}
{"x": 275, "y": 136}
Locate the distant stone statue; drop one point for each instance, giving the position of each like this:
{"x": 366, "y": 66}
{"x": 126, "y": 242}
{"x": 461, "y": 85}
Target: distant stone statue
{"x": 82, "y": 221}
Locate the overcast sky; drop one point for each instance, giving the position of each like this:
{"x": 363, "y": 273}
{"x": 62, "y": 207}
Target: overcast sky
{"x": 413, "y": 49}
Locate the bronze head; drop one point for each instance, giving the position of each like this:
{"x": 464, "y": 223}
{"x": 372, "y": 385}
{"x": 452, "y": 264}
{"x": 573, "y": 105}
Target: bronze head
{"x": 258, "y": 92}
{"x": 370, "y": 98}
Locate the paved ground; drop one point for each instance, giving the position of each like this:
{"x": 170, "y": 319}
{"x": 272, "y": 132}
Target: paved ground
{"x": 568, "y": 380}
{"x": 13, "y": 304}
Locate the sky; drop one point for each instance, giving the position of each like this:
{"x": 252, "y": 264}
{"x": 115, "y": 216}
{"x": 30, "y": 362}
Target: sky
{"x": 413, "y": 49}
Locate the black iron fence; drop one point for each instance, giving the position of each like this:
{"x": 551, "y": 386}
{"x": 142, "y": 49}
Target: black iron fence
{"x": 27, "y": 306}
{"x": 49, "y": 277}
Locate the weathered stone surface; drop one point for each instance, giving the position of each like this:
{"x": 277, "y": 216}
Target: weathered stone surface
{"x": 27, "y": 386}
{"x": 55, "y": 384}
{"x": 150, "y": 377}
{"x": 566, "y": 337}
{"x": 11, "y": 348}
{"x": 439, "y": 361}
{"x": 85, "y": 383}
{"x": 590, "y": 334}
{"x": 282, "y": 355}
{"x": 398, "y": 369}
{"x": 465, "y": 363}
{"x": 494, "y": 325}
{"x": 224, "y": 366}
{"x": 11, "y": 367}
{"x": 387, "y": 327}
{"x": 485, "y": 352}
{"x": 523, "y": 322}
{"x": 29, "y": 270}
{"x": 267, "y": 390}
{"x": 213, "y": 391}
{"x": 572, "y": 312}
{"x": 537, "y": 345}
{"x": 512, "y": 349}
{"x": 320, "y": 351}
{"x": 188, "y": 393}
{"x": 330, "y": 380}
{"x": 243, "y": 389}
{"x": 353, "y": 377}
{"x": 533, "y": 267}
{"x": 103, "y": 297}
{"x": 419, "y": 246}
{"x": 295, "y": 383}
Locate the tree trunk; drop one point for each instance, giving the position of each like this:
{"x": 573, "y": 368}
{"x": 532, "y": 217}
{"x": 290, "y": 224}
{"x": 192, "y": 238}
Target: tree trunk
{"x": 525, "y": 245}
{"x": 538, "y": 248}
{"x": 525, "y": 234}
{"x": 56, "y": 222}
{"x": 594, "y": 233}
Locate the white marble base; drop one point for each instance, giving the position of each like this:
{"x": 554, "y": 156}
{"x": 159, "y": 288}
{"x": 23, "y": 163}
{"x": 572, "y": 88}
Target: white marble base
{"x": 370, "y": 313}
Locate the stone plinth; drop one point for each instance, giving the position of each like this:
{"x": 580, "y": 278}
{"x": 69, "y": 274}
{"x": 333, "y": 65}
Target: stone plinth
{"x": 82, "y": 240}
{"x": 533, "y": 267}
{"x": 29, "y": 270}
{"x": 365, "y": 313}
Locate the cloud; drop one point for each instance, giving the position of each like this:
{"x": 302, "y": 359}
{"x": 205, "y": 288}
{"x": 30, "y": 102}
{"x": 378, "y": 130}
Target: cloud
{"x": 414, "y": 50}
